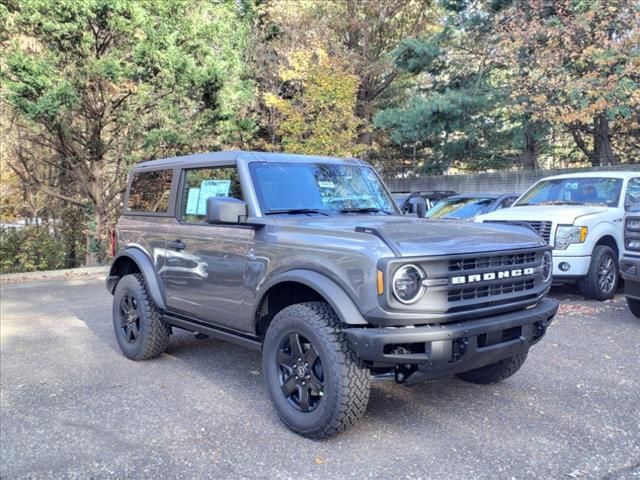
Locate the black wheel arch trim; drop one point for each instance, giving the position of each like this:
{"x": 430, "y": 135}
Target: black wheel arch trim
{"x": 329, "y": 290}
{"x": 145, "y": 265}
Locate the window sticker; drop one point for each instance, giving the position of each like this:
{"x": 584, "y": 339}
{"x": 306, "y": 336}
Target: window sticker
{"x": 192, "y": 201}
{"x": 211, "y": 188}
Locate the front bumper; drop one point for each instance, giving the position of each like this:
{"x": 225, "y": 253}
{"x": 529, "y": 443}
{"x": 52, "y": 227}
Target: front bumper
{"x": 630, "y": 272}
{"x": 578, "y": 266}
{"x": 446, "y": 349}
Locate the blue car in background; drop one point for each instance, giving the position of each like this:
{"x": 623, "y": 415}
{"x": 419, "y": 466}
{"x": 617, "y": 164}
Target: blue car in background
{"x": 466, "y": 207}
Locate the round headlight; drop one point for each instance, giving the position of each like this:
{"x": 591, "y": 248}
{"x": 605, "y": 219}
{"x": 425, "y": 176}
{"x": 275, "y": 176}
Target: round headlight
{"x": 407, "y": 284}
{"x": 547, "y": 266}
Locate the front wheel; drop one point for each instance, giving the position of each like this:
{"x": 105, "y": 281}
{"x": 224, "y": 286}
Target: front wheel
{"x": 318, "y": 385}
{"x": 601, "y": 281}
{"x": 495, "y": 372}
{"x": 634, "y": 306}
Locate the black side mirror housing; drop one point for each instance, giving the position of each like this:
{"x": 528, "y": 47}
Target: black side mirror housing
{"x": 226, "y": 210}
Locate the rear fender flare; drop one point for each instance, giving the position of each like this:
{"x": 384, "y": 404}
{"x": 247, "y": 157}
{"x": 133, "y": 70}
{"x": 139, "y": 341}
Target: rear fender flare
{"x": 145, "y": 265}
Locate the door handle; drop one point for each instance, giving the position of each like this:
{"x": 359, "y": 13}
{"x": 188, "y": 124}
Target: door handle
{"x": 177, "y": 245}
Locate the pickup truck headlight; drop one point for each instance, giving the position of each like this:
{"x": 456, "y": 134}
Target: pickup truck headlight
{"x": 566, "y": 235}
{"x": 633, "y": 224}
{"x": 407, "y": 284}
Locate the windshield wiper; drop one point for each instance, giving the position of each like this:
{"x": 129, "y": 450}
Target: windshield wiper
{"x": 297, "y": 211}
{"x": 364, "y": 210}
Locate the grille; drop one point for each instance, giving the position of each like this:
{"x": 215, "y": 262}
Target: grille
{"x": 471, "y": 293}
{"x": 496, "y": 261}
{"x": 542, "y": 227}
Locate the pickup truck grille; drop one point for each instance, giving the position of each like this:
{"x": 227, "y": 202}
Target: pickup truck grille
{"x": 542, "y": 227}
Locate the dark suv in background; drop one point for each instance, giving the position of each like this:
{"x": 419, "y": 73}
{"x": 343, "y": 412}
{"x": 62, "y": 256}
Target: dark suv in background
{"x": 308, "y": 260}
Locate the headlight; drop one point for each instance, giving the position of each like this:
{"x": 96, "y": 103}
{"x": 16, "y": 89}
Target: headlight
{"x": 566, "y": 235}
{"x": 407, "y": 284}
{"x": 633, "y": 224}
{"x": 632, "y": 243}
{"x": 547, "y": 266}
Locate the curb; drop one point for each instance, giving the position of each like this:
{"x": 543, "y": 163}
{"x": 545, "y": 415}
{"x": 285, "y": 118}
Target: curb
{"x": 71, "y": 273}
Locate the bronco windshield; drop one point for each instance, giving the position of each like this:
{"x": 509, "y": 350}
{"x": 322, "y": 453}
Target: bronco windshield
{"x": 319, "y": 188}
{"x": 574, "y": 191}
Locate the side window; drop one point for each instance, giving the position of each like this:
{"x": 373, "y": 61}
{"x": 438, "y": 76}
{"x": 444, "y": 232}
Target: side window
{"x": 150, "y": 191}
{"x": 202, "y": 183}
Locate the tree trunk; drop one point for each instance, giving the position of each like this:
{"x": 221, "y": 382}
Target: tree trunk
{"x": 529, "y": 155}
{"x": 602, "y": 147}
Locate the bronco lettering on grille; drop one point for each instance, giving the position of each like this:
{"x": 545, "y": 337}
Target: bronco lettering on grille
{"x": 485, "y": 277}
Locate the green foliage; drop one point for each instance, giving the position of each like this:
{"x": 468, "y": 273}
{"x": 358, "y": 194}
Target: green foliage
{"x": 30, "y": 249}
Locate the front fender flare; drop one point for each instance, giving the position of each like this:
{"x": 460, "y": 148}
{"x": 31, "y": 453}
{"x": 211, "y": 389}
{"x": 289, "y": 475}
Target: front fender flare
{"x": 329, "y": 290}
{"x": 145, "y": 265}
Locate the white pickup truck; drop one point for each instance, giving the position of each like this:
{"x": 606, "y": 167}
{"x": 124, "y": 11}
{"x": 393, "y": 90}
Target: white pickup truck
{"x": 580, "y": 215}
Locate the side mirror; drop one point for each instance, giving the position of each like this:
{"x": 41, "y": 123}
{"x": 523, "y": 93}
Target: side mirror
{"x": 421, "y": 207}
{"x": 225, "y": 210}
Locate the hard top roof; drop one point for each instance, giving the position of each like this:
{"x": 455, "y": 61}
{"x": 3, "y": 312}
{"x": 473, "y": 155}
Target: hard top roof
{"x": 213, "y": 158}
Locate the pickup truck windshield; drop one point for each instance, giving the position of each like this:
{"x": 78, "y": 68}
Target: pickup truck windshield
{"x": 319, "y": 188}
{"x": 574, "y": 191}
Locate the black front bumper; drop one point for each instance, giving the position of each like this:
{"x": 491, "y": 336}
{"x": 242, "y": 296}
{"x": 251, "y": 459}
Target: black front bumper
{"x": 630, "y": 272}
{"x": 446, "y": 349}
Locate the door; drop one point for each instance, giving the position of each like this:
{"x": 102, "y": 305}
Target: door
{"x": 204, "y": 267}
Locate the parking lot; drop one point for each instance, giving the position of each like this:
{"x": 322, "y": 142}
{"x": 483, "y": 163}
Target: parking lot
{"x": 73, "y": 406}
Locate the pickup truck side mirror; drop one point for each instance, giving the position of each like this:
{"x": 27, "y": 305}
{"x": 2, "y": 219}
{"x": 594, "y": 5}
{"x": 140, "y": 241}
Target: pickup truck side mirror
{"x": 421, "y": 207}
{"x": 225, "y": 210}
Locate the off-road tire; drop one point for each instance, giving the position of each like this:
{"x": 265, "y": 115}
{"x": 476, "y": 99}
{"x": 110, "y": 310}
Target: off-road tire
{"x": 589, "y": 285}
{"x": 495, "y": 372}
{"x": 346, "y": 380}
{"x": 154, "y": 333}
{"x": 634, "y": 306}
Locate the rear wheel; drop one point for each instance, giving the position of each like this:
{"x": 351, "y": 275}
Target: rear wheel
{"x": 316, "y": 382}
{"x": 496, "y": 372}
{"x": 634, "y": 306}
{"x": 140, "y": 331}
{"x": 601, "y": 281}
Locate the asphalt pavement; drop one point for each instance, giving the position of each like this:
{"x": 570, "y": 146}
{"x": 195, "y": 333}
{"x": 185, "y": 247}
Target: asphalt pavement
{"x": 72, "y": 406}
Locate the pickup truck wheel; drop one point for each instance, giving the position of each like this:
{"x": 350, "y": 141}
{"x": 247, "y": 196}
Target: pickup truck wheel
{"x": 602, "y": 278}
{"x": 495, "y": 372}
{"x": 318, "y": 385}
{"x": 139, "y": 328}
{"x": 634, "y": 306}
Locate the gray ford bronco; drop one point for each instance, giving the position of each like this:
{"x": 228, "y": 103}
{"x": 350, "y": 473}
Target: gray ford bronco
{"x": 309, "y": 260}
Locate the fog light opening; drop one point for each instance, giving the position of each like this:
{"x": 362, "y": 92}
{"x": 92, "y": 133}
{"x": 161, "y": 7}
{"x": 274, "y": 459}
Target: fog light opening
{"x": 564, "y": 266}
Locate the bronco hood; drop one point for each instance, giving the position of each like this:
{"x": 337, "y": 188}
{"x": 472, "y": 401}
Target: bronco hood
{"x": 410, "y": 236}
{"x": 560, "y": 214}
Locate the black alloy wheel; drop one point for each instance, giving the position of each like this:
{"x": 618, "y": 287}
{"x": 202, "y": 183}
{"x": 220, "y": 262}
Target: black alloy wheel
{"x": 301, "y": 377}
{"x": 129, "y": 318}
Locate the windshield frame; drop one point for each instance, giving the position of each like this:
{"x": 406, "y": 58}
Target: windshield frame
{"x": 520, "y": 200}
{"x": 262, "y": 211}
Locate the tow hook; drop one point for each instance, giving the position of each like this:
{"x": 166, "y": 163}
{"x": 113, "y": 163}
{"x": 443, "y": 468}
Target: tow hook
{"x": 403, "y": 372}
